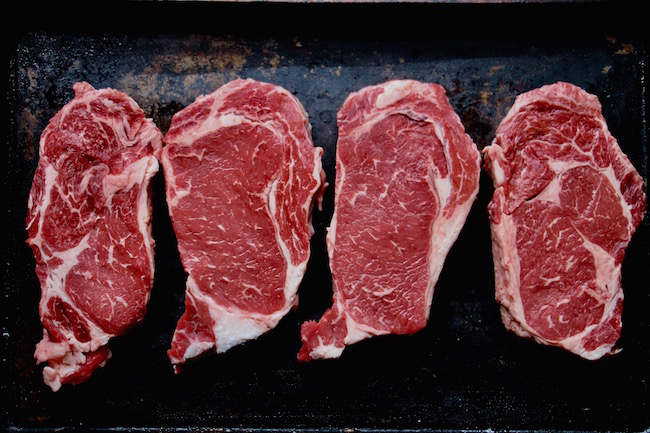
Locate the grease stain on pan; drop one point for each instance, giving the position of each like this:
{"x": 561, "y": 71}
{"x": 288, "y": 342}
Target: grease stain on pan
{"x": 271, "y": 59}
{"x": 494, "y": 69}
{"x": 625, "y": 48}
{"x": 29, "y": 124}
{"x": 32, "y": 76}
{"x": 484, "y": 95}
{"x": 188, "y": 70}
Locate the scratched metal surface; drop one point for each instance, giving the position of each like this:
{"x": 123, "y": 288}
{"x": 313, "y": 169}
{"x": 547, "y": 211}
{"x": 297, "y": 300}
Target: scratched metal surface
{"x": 464, "y": 371}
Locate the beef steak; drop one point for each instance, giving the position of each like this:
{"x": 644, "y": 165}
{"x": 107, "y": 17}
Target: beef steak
{"x": 566, "y": 204}
{"x": 242, "y": 176}
{"x": 406, "y": 177}
{"x": 89, "y": 226}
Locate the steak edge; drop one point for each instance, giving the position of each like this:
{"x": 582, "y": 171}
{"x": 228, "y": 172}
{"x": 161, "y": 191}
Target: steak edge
{"x": 566, "y": 203}
{"x": 407, "y": 175}
{"x": 242, "y": 177}
{"x": 89, "y": 227}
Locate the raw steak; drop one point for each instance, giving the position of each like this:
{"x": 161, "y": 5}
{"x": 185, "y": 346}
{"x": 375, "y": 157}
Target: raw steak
{"x": 566, "y": 203}
{"x": 406, "y": 177}
{"x": 89, "y": 226}
{"x": 242, "y": 176}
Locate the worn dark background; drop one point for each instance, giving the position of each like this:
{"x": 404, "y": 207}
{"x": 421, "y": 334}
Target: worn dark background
{"x": 464, "y": 371}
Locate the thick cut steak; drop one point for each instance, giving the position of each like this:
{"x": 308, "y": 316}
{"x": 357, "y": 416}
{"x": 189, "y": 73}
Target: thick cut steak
{"x": 89, "y": 226}
{"x": 566, "y": 203}
{"x": 242, "y": 175}
{"x": 406, "y": 177}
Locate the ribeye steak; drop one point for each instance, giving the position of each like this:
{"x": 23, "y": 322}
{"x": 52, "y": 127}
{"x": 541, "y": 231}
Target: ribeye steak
{"x": 242, "y": 176}
{"x": 89, "y": 226}
{"x": 406, "y": 177}
{"x": 566, "y": 203}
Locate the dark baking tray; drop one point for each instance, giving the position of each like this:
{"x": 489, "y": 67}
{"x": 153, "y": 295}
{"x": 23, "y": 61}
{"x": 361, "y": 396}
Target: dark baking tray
{"x": 464, "y": 371}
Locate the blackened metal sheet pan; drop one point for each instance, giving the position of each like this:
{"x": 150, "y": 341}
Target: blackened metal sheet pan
{"x": 464, "y": 371}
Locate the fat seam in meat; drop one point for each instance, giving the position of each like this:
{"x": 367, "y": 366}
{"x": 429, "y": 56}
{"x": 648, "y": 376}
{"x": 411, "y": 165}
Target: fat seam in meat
{"x": 566, "y": 203}
{"x": 407, "y": 175}
{"x": 89, "y": 227}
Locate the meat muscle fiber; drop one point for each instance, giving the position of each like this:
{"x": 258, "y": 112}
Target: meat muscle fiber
{"x": 242, "y": 176}
{"x": 89, "y": 226}
{"x": 566, "y": 204}
{"x": 406, "y": 177}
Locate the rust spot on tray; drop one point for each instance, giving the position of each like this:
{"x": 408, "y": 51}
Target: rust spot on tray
{"x": 229, "y": 55}
{"x": 28, "y": 126}
{"x": 626, "y": 49}
{"x": 32, "y": 76}
{"x": 271, "y": 59}
{"x": 495, "y": 68}
{"x": 478, "y": 127}
{"x": 183, "y": 72}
